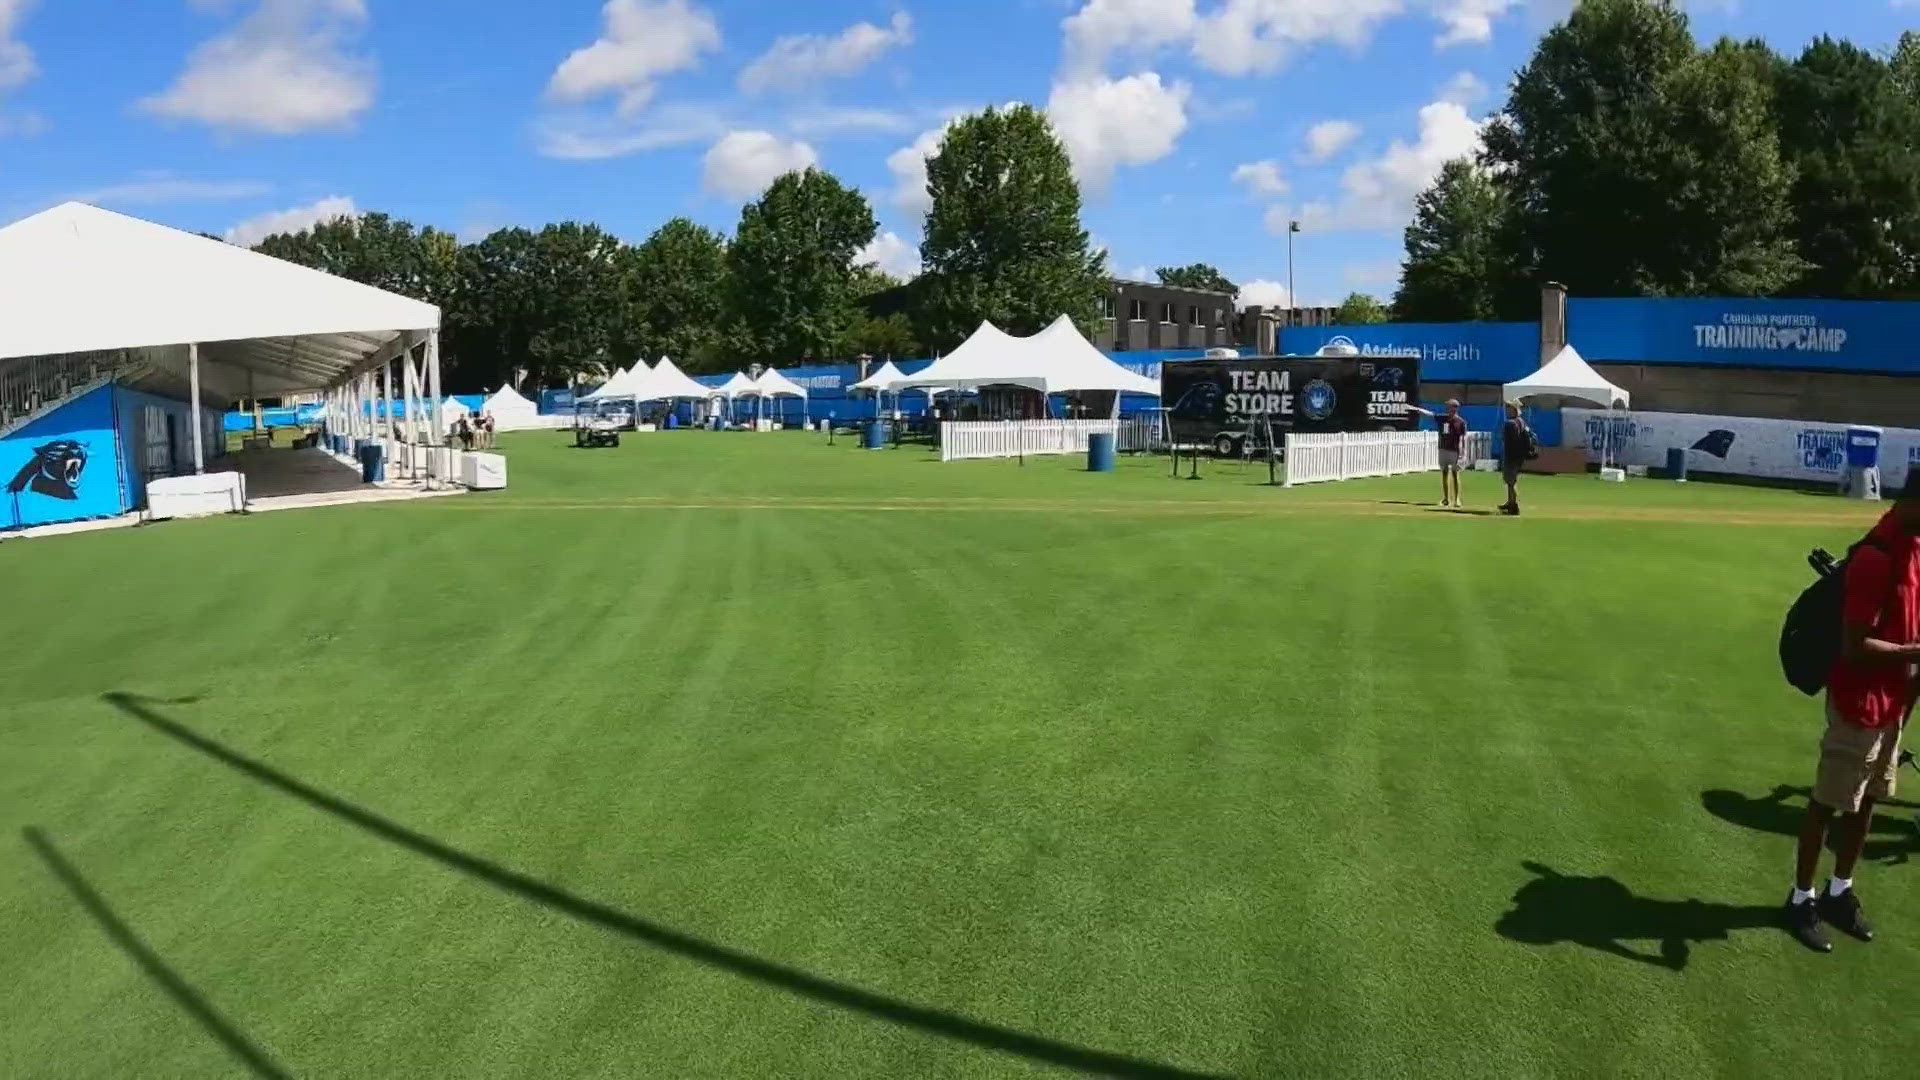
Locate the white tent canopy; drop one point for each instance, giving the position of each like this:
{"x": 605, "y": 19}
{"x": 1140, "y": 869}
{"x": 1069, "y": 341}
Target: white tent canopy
{"x": 738, "y": 385}
{"x": 1055, "y": 360}
{"x": 78, "y": 279}
{"x": 1567, "y": 375}
{"x": 621, "y": 385}
{"x": 453, "y": 407}
{"x": 668, "y": 381}
{"x": 882, "y": 380}
{"x": 506, "y": 403}
{"x": 773, "y": 384}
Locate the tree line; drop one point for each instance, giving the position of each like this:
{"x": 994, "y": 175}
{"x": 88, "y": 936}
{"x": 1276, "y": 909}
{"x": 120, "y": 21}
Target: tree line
{"x": 1003, "y": 241}
{"x": 1628, "y": 160}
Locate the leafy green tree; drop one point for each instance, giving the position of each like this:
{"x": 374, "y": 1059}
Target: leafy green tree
{"x": 1639, "y": 165}
{"x": 1360, "y": 308}
{"x": 1454, "y": 267}
{"x": 1003, "y": 240}
{"x": 545, "y": 303}
{"x": 676, "y": 295}
{"x": 791, "y": 265}
{"x": 1196, "y": 276}
{"x": 1852, "y": 133}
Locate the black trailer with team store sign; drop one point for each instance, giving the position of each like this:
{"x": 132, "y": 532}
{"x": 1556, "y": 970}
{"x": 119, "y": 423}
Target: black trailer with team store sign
{"x": 1242, "y": 406}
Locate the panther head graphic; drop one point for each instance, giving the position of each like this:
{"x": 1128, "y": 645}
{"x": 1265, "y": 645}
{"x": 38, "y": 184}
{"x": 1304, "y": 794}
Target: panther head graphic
{"x": 1201, "y": 399}
{"x": 54, "y": 470}
{"x": 1717, "y": 442}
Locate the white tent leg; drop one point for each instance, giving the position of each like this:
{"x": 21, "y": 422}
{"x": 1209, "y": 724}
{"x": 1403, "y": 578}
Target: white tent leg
{"x": 195, "y": 425}
{"x": 433, "y": 387}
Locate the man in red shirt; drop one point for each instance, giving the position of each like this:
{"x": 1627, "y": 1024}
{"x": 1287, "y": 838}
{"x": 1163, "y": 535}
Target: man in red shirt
{"x": 1453, "y": 434}
{"x": 1870, "y": 692}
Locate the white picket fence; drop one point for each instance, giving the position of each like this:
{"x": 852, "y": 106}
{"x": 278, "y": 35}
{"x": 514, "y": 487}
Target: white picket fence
{"x": 964, "y": 439}
{"x": 1349, "y": 455}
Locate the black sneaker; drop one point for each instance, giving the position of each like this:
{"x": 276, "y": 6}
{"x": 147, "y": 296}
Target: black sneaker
{"x": 1844, "y": 912}
{"x": 1803, "y": 922}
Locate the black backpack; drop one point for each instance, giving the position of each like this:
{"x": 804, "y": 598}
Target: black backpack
{"x": 1811, "y": 635}
{"x": 1533, "y": 441}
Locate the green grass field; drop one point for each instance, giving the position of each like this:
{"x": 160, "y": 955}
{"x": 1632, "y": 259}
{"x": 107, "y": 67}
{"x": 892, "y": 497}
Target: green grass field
{"x": 747, "y": 756}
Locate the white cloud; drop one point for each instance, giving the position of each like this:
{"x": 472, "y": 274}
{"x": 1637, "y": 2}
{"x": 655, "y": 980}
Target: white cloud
{"x": 1327, "y": 138}
{"x": 17, "y": 66}
{"x": 1247, "y": 37}
{"x": 159, "y": 188}
{"x": 909, "y": 168}
{"x": 1464, "y": 89}
{"x": 828, "y": 122}
{"x": 1108, "y": 123}
{"x": 1379, "y": 194}
{"x": 255, "y": 229}
{"x": 801, "y": 60}
{"x": 1261, "y": 179}
{"x": 1262, "y": 292}
{"x": 282, "y": 70}
{"x": 640, "y": 41}
{"x": 577, "y": 137}
{"x": 1468, "y": 22}
{"x": 743, "y": 163}
{"x": 1104, "y": 27}
{"x": 892, "y": 255}
{"x": 1363, "y": 275}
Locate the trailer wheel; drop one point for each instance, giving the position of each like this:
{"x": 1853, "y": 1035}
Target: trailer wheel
{"x": 1225, "y": 445}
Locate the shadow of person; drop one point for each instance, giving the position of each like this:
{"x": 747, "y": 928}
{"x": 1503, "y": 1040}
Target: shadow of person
{"x": 1782, "y": 811}
{"x": 1602, "y": 914}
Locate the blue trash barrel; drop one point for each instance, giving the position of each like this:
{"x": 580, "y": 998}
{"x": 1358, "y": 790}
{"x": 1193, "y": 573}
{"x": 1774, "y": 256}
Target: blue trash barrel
{"x": 1100, "y": 452}
{"x": 370, "y": 465}
{"x": 873, "y": 436}
{"x": 1676, "y": 463}
{"x": 672, "y": 421}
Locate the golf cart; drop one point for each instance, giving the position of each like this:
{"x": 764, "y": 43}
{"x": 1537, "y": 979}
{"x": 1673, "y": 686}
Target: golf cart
{"x": 598, "y": 424}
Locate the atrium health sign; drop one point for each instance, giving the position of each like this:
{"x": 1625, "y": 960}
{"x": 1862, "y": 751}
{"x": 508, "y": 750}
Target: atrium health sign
{"x": 1447, "y": 352}
{"x": 1860, "y": 336}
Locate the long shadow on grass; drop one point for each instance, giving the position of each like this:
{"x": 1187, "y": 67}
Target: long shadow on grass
{"x": 1782, "y": 810}
{"x": 183, "y": 994}
{"x": 932, "y": 1021}
{"x": 1602, "y": 914}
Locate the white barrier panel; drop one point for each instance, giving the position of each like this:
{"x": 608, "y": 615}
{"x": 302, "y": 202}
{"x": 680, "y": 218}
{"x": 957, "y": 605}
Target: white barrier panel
{"x": 964, "y": 439}
{"x": 533, "y": 423}
{"x": 483, "y": 472}
{"x": 196, "y": 496}
{"x": 1802, "y": 450}
{"x": 1316, "y": 458}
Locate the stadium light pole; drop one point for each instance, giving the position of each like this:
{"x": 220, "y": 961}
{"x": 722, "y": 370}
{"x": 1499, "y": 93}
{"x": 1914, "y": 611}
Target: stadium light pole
{"x": 1293, "y": 299}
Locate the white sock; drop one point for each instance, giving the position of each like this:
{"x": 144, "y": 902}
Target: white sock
{"x": 1800, "y": 895}
{"x": 1837, "y": 886}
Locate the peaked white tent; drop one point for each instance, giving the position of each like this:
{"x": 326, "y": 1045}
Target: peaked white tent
{"x": 1567, "y": 375}
{"x": 1055, "y": 360}
{"x": 619, "y": 386}
{"x": 510, "y": 409}
{"x": 773, "y": 384}
{"x": 880, "y": 381}
{"x": 670, "y": 382}
{"x": 737, "y": 385}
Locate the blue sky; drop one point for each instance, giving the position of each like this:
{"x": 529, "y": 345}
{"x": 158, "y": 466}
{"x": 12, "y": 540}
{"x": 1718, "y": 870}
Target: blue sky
{"x": 1198, "y": 127}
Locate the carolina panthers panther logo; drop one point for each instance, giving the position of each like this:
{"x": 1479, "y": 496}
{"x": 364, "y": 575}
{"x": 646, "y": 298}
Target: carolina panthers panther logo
{"x": 1317, "y": 402}
{"x": 54, "y": 470}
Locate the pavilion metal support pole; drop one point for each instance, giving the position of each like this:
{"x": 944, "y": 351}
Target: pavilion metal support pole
{"x": 386, "y": 405}
{"x": 195, "y": 424}
{"x": 433, "y": 387}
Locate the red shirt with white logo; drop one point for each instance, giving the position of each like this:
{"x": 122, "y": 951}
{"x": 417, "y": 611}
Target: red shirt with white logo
{"x": 1882, "y": 592}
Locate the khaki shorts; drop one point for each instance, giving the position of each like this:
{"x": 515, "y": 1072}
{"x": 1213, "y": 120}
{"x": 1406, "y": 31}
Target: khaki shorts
{"x": 1855, "y": 763}
{"x": 1449, "y": 459}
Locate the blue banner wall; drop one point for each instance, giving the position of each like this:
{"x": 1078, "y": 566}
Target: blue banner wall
{"x": 1823, "y": 335}
{"x": 65, "y": 466}
{"x": 1448, "y": 352}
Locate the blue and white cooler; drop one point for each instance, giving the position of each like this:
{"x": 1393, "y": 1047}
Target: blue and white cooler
{"x": 1863, "y": 463}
